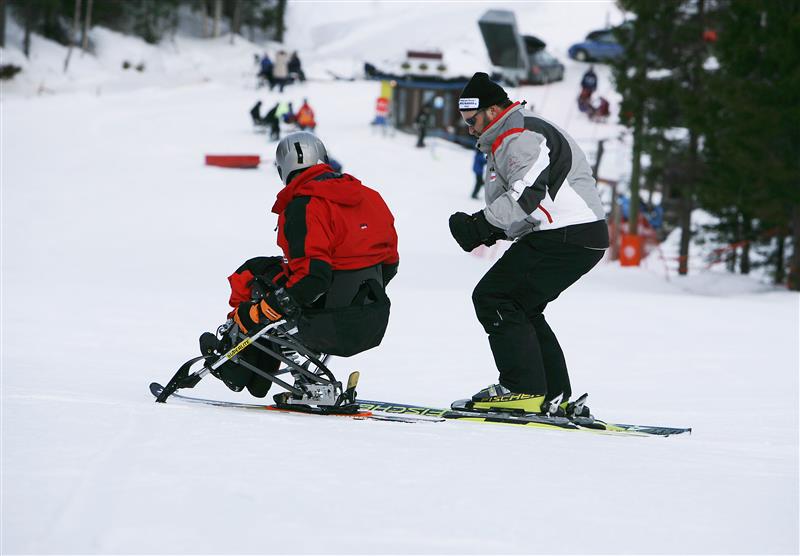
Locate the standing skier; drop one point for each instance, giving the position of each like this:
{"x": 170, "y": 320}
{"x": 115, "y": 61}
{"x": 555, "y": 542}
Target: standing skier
{"x": 589, "y": 81}
{"x": 540, "y": 193}
{"x": 423, "y": 120}
{"x": 280, "y": 71}
{"x": 478, "y": 165}
{"x": 340, "y": 251}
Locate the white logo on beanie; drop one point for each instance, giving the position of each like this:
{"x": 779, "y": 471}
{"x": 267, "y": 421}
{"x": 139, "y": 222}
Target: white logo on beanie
{"x": 468, "y": 103}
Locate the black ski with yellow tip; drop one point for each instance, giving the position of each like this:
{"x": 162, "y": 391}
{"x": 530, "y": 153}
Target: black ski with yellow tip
{"x": 524, "y": 419}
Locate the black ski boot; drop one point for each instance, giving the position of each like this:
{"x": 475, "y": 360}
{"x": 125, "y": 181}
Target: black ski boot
{"x": 209, "y": 344}
{"x": 212, "y": 348}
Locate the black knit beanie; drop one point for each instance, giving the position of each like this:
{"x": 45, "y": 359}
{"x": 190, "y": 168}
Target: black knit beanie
{"x": 481, "y": 92}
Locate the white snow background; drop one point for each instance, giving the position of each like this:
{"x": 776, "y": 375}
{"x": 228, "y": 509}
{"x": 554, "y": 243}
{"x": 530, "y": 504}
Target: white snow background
{"x": 116, "y": 245}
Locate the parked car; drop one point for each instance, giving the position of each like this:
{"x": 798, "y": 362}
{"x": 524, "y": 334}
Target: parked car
{"x": 545, "y": 68}
{"x": 599, "y": 46}
{"x": 519, "y": 59}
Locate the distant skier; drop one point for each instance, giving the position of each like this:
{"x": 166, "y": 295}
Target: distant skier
{"x": 600, "y": 112}
{"x": 282, "y": 110}
{"x": 280, "y": 71}
{"x": 255, "y": 114}
{"x": 423, "y": 120}
{"x": 340, "y": 251}
{"x": 289, "y": 116}
{"x": 296, "y": 67}
{"x": 305, "y": 117}
{"x": 265, "y": 71}
{"x": 540, "y": 193}
{"x": 585, "y": 102}
{"x": 381, "y": 119}
{"x": 589, "y": 81}
{"x": 335, "y": 164}
{"x": 478, "y": 167}
{"x": 273, "y": 121}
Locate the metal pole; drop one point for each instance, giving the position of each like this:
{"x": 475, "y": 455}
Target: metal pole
{"x": 596, "y": 168}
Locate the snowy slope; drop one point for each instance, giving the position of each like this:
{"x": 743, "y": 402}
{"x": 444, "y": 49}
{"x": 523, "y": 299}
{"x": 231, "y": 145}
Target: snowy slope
{"x": 116, "y": 242}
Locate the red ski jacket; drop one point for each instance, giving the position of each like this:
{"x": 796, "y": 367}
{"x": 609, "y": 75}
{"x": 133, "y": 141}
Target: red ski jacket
{"x": 305, "y": 116}
{"x": 329, "y": 222}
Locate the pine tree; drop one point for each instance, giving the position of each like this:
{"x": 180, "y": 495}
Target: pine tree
{"x": 662, "y": 80}
{"x": 754, "y": 136}
{"x": 644, "y": 78}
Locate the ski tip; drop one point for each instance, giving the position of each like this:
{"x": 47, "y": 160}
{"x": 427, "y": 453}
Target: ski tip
{"x": 156, "y": 388}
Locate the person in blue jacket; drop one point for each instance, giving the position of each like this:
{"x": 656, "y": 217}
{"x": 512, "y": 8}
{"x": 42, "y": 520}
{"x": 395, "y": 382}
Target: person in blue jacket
{"x": 265, "y": 71}
{"x": 478, "y": 165}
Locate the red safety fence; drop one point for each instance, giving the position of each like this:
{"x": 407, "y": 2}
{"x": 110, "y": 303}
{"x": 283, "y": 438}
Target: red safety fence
{"x": 718, "y": 255}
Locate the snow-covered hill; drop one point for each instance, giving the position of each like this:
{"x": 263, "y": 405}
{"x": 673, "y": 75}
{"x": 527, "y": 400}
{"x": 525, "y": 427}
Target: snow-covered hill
{"x": 116, "y": 242}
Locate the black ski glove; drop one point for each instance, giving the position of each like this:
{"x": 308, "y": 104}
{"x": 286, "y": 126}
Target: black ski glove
{"x": 473, "y": 230}
{"x": 276, "y": 305}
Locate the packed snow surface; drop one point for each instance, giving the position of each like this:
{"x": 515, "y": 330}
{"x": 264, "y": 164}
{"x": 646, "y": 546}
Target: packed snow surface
{"x": 116, "y": 245}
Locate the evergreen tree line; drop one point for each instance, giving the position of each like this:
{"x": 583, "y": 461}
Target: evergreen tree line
{"x": 68, "y": 21}
{"x": 710, "y": 92}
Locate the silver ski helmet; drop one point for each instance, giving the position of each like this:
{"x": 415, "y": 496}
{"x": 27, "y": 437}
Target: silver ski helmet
{"x": 298, "y": 151}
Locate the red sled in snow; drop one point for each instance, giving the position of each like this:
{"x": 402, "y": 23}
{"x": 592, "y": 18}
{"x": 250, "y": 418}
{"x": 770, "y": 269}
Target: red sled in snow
{"x": 233, "y": 160}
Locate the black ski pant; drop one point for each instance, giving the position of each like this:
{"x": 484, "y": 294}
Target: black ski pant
{"x": 421, "y": 136}
{"x": 242, "y": 377}
{"x": 478, "y": 185}
{"x": 509, "y": 301}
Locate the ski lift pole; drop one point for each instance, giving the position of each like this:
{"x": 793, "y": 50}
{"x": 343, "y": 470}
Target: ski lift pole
{"x": 599, "y": 157}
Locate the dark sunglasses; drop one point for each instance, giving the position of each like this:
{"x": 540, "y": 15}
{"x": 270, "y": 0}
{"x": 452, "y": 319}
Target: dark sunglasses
{"x": 471, "y": 121}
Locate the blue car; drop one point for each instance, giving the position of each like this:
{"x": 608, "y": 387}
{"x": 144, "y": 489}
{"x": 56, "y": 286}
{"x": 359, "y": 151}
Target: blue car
{"x": 599, "y": 46}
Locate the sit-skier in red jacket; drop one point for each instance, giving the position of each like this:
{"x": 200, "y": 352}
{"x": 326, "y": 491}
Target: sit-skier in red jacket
{"x": 336, "y": 235}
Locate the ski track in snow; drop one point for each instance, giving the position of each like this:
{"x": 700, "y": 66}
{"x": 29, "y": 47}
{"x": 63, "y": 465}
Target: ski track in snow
{"x": 116, "y": 242}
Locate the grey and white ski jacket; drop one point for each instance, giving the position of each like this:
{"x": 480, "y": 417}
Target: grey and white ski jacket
{"x": 537, "y": 178}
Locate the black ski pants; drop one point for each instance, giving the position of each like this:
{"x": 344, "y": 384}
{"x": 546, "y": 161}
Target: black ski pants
{"x": 478, "y": 185}
{"x": 240, "y": 376}
{"x": 509, "y": 301}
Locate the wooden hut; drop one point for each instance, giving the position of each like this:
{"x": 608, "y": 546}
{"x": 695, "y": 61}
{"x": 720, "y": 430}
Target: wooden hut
{"x": 409, "y": 96}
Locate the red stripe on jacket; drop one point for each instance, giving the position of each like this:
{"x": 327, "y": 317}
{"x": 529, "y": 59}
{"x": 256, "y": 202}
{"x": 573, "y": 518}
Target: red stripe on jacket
{"x": 499, "y": 140}
{"x": 547, "y": 214}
